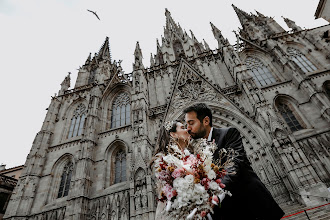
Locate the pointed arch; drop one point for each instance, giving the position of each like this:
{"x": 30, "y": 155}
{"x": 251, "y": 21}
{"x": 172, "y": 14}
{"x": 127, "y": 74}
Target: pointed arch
{"x": 259, "y": 71}
{"x": 62, "y": 174}
{"x": 287, "y": 108}
{"x": 70, "y": 114}
{"x": 108, "y": 98}
{"x": 77, "y": 121}
{"x": 326, "y": 88}
{"x": 121, "y": 111}
{"x": 116, "y": 163}
{"x": 300, "y": 59}
{"x": 65, "y": 180}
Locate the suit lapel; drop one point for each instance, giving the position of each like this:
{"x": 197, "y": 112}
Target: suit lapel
{"x": 215, "y": 135}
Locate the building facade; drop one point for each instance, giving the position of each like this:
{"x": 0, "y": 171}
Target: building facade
{"x": 90, "y": 159}
{"x": 8, "y": 181}
{"x": 323, "y": 10}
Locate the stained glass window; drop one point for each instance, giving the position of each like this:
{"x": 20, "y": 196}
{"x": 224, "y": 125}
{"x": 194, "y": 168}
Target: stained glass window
{"x": 121, "y": 111}
{"x": 259, "y": 71}
{"x": 65, "y": 180}
{"x": 301, "y": 60}
{"x": 77, "y": 121}
{"x": 289, "y": 117}
{"x": 120, "y": 166}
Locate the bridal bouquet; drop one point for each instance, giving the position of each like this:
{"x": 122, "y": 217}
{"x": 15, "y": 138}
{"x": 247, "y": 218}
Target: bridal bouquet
{"x": 191, "y": 184}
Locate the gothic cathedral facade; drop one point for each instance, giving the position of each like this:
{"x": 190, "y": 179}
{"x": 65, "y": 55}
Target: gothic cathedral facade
{"x": 90, "y": 160}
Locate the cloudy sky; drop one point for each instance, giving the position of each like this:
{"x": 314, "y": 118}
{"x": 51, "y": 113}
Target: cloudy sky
{"x": 41, "y": 41}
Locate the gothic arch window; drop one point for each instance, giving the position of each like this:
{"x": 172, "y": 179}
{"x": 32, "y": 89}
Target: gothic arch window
{"x": 301, "y": 60}
{"x": 121, "y": 111}
{"x": 326, "y": 88}
{"x": 289, "y": 115}
{"x": 77, "y": 121}
{"x": 178, "y": 49}
{"x": 259, "y": 71}
{"x": 65, "y": 180}
{"x": 120, "y": 166}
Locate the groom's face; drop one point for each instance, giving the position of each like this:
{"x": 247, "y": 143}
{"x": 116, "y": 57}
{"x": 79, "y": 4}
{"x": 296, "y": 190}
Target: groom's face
{"x": 194, "y": 126}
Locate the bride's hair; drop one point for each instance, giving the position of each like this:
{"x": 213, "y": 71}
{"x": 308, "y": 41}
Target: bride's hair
{"x": 164, "y": 139}
{"x": 164, "y": 136}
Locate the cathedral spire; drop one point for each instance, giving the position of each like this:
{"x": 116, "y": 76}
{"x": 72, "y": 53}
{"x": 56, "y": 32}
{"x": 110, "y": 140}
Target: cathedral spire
{"x": 104, "y": 52}
{"x": 218, "y": 36}
{"x": 138, "y": 57}
{"x": 193, "y": 36}
{"x": 65, "y": 85}
{"x": 291, "y": 24}
{"x": 242, "y": 15}
{"x": 89, "y": 59}
{"x": 260, "y": 15}
{"x": 207, "y": 47}
{"x": 171, "y": 26}
{"x": 152, "y": 60}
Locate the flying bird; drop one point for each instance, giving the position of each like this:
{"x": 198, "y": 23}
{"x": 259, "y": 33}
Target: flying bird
{"x": 94, "y": 14}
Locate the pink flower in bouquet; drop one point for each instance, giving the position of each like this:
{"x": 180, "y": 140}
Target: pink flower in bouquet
{"x": 168, "y": 191}
{"x": 190, "y": 160}
{"x": 206, "y": 183}
{"x": 222, "y": 185}
{"x": 178, "y": 172}
{"x": 215, "y": 200}
{"x": 203, "y": 214}
{"x": 163, "y": 175}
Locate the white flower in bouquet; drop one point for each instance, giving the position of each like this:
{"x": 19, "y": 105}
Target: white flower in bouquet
{"x": 211, "y": 174}
{"x": 191, "y": 184}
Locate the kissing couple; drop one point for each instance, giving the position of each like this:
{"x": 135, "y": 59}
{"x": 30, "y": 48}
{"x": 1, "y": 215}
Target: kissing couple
{"x": 247, "y": 199}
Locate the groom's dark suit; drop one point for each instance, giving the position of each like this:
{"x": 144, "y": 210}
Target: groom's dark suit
{"x": 250, "y": 198}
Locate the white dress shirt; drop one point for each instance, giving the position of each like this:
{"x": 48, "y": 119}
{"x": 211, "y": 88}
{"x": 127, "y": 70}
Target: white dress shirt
{"x": 209, "y": 138}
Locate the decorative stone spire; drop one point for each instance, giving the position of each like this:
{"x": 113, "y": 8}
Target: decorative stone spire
{"x": 193, "y": 36}
{"x": 170, "y": 24}
{"x": 152, "y": 61}
{"x": 138, "y": 57}
{"x": 218, "y": 36}
{"x": 89, "y": 59}
{"x": 207, "y": 47}
{"x": 65, "y": 85}
{"x": 260, "y": 15}
{"x": 104, "y": 52}
{"x": 291, "y": 24}
{"x": 242, "y": 15}
{"x": 172, "y": 27}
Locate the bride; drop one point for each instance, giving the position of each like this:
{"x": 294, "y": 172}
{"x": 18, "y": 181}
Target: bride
{"x": 173, "y": 132}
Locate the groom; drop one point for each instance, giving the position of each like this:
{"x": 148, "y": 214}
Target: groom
{"x": 250, "y": 198}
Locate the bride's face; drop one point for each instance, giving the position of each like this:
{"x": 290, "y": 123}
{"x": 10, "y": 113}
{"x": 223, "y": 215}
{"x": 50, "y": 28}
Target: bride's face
{"x": 181, "y": 132}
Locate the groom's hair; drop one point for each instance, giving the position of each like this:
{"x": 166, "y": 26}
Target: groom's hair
{"x": 202, "y": 110}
